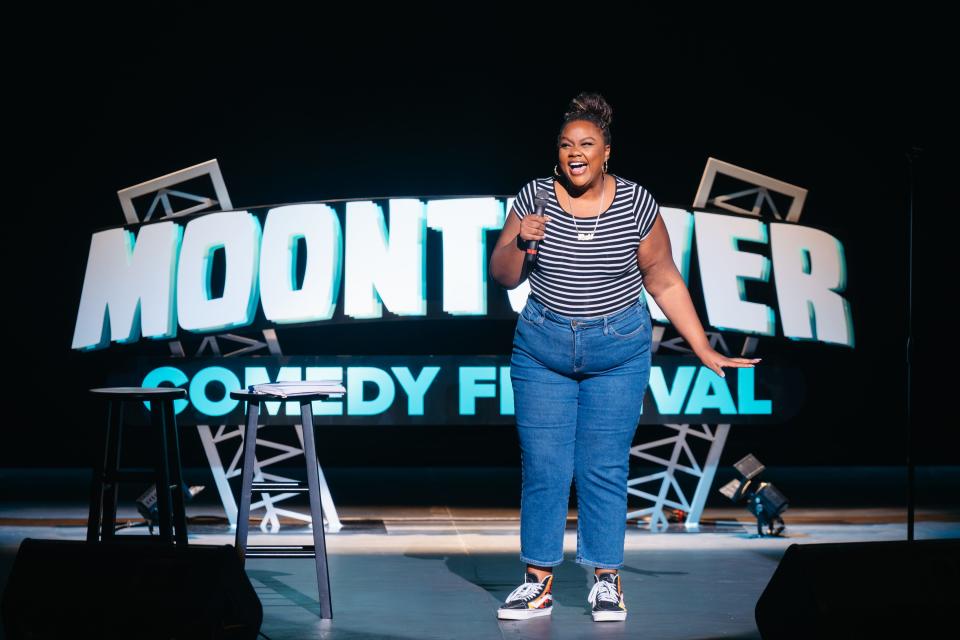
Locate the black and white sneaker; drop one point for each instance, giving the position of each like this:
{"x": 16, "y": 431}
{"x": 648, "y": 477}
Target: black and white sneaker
{"x": 607, "y": 598}
{"x": 531, "y": 599}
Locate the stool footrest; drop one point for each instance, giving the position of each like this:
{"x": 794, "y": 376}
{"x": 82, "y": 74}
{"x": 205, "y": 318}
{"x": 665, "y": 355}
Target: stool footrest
{"x": 280, "y": 551}
{"x": 294, "y": 487}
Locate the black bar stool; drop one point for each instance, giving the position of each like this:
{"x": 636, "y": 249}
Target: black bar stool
{"x": 319, "y": 549}
{"x": 166, "y": 472}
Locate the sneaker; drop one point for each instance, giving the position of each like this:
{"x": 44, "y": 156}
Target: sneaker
{"x": 531, "y": 599}
{"x": 607, "y": 598}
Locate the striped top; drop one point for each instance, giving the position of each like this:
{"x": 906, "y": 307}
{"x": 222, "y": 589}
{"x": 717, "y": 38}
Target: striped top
{"x": 595, "y": 277}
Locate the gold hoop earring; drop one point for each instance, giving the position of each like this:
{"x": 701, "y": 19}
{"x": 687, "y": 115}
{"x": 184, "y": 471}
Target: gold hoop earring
{"x": 555, "y": 171}
{"x": 605, "y": 166}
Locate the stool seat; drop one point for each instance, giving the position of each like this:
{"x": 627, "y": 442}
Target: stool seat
{"x": 140, "y": 393}
{"x": 250, "y": 396}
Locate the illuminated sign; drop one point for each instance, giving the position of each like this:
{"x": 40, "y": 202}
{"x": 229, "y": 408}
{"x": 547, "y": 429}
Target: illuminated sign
{"x": 452, "y": 389}
{"x": 365, "y": 257}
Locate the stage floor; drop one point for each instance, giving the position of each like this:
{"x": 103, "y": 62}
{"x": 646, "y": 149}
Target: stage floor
{"x": 439, "y": 571}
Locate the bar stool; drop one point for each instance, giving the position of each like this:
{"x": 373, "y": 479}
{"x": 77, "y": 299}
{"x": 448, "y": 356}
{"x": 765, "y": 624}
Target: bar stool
{"x": 319, "y": 549}
{"x": 166, "y": 472}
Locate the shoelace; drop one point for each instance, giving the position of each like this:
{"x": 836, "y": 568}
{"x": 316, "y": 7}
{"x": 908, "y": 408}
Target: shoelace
{"x": 604, "y": 591}
{"x": 525, "y": 591}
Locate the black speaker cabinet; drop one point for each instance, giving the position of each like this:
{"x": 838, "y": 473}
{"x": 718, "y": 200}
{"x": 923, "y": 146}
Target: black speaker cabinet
{"x": 863, "y": 590}
{"x": 128, "y": 589}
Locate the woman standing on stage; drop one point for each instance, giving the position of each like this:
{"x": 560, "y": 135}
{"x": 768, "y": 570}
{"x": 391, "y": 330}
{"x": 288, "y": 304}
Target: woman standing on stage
{"x": 581, "y": 353}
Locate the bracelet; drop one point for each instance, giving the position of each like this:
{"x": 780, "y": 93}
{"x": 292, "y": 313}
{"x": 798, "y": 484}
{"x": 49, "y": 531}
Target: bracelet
{"x": 521, "y": 243}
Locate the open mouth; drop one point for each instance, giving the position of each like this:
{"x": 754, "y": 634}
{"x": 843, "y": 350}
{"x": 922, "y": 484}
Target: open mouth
{"x": 578, "y": 168}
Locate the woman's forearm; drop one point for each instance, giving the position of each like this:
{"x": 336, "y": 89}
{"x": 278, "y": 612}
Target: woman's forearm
{"x": 672, "y": 296}
{"x": 506, "y": 265}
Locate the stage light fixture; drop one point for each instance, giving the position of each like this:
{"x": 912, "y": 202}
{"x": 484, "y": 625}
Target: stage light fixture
{"x": 762, "y": 499}
{"x": 147, "y": 503}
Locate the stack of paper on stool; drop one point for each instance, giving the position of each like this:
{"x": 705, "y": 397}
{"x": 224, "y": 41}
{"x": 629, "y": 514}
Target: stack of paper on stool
{"x": 298, "y": 388}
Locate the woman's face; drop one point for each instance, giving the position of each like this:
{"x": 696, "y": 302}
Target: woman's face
{"x": 582, "y": 153}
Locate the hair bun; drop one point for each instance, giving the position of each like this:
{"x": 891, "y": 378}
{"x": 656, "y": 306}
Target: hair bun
{"x": 590, "y": 103}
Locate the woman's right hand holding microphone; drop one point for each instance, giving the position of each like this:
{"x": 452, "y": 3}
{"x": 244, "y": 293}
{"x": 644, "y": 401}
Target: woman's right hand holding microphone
{"x": 533, "y": 226}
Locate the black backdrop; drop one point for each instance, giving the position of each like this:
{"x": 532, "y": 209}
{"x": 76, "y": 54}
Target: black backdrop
{"x": 419, "y": 102}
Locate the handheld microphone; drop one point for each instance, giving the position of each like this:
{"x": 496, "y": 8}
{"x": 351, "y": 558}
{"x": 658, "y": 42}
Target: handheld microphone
{"x": 539, "y": 203}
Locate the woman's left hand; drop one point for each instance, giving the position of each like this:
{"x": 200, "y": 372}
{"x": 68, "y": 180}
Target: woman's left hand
{"x": 716, "y": 361}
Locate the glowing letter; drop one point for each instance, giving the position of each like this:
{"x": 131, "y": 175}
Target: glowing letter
{"x": 128, "y": 289}
{"x": 701, "y": 398}
{"x": 679, "y": 224}
{"x": 745, "y": 398}
{"x": 238, "y": 233}
{"x": 198, "y": 391}
{"x": 809, "y": 269}
{"x": 670, "y": 399}
{"x": 472, "y": 388}
{"x": 415, "y": 388}
{"x": 464, "y": 222}
{"x": 166, "y": 374}
{"x": 316, "y": 298}
{"x": 723, "y": 269}
{"x": 381, "y": 269}
{"x": 356, "y": 377}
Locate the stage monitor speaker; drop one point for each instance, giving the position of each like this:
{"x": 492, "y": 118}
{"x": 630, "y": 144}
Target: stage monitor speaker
{"x": 862, "y": 590}
{"x": 128, "y": 589}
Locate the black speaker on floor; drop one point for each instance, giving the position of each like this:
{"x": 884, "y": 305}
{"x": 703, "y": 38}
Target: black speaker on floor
{"x": 128, "y": 589}
{"x": 862, "y": 590}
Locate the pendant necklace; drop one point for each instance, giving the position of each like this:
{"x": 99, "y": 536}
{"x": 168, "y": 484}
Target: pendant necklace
{"x": 588, "y": 236}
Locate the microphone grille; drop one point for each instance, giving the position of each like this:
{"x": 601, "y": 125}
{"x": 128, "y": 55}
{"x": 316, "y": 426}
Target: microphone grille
{"x": 542, "y": 194}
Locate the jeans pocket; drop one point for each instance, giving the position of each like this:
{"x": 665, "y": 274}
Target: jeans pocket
{"x": 629, "y": 325}
{"x": 531, "y": 315}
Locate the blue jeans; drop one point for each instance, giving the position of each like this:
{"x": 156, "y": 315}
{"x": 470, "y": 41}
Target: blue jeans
{"x": 578, "y": 385}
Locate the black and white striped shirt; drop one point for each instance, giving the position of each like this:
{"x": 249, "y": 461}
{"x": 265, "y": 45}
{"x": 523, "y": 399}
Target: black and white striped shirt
{"x": 594, "y": 277}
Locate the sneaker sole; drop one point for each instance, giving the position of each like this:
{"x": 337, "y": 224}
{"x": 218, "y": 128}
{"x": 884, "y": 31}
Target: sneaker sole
{"x": 522, "y": 614}
{"x": 602, "y": 616}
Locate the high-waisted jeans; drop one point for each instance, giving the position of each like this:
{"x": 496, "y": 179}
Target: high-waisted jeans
{"x": 578, "y": 385}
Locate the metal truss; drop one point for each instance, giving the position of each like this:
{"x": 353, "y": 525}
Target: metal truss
{"x": 227, "y": 436}
{"x": 667, "y": 477}
{"x": 161, "y": 188}
{"x": 229, "y": 440}
{"x": 667, "y": 489}
{"x": 761, "y": 187}
{"x": 217, "y": 438}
